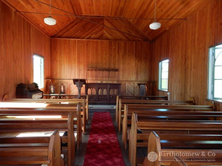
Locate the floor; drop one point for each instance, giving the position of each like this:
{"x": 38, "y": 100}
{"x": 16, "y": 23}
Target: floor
{"x": 81, "y": 153}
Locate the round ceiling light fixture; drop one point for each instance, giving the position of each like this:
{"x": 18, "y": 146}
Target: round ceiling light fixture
{"x": 49, "y": 20}
{"x": 155, "y": 25}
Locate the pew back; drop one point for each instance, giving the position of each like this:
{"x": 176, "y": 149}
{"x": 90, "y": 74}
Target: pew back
{"x": 170, "y": 126}
{"x": 164, "y": 114}
{"x": 144, "y": 98}
{"x": 156, "y": 104}
{"x": 83, "y": 104}
{"x": 38, "y": 150}
{"x": 45, "y": 125}
{"x": 199, "y": 149}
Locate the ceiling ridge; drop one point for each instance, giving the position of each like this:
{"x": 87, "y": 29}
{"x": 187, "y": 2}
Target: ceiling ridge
{"x": 83, "y": 17}
{"x": 138, "y": 29}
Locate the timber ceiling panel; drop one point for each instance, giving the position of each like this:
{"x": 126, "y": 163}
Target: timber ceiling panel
{"x": 106, "y": 19}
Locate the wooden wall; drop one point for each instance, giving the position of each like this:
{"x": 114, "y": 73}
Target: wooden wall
{"x": 19, "y": 40}
{"x": 186, "y": 45}
{"x": 72, "y": 58}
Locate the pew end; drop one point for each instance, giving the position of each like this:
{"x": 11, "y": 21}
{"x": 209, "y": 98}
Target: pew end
{"x": 162, "y": 154}
{"x": 32, "y": 151}
{"x": 178, "y": 162}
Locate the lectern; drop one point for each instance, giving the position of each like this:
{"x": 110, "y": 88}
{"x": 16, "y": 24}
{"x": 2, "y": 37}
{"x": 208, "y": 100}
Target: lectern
{"x": 79, "y": 83}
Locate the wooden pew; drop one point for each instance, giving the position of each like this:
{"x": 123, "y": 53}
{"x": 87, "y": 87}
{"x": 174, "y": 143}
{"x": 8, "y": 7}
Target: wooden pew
{"x": 69, "y": 107}
{"x": 39, "y": 126}
{"x": 176, "y": 162}
{"x": 163, "y": 114}
{"x": 136, "y": 98}
{"x": 16, "y": 126}
{"x": 47, "y": 112}
{"x": 83, "y": 104}
{"x": 50, "y": 109}
{"x": 150, "y": 103}
{"x": 72, "y": 100}
{"x": 31, "y": 150}
{"x": 169, "y": 126}
{"x": 158, "y": 106}
{"x": 194, "y": 149}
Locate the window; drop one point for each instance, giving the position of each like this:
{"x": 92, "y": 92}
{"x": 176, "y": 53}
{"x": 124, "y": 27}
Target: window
{"x": 163, "y": 75}
{"x": 38, "y": 70}
{"x": 215, "y": 73}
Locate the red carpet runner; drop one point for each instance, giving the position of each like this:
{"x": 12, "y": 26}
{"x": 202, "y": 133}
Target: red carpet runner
{"x": 103, "y": 148}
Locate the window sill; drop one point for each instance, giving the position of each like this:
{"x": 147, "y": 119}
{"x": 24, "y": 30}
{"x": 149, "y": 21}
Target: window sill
{"x": 163, "y": 90}
{"x": 211, "y": 100}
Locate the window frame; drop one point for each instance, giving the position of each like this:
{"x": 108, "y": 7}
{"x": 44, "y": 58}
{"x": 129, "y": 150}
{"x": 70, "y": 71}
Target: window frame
{"x": 211, "y": 72}
{"x": 160, "y": 75}
{"x": 41, "y": 77}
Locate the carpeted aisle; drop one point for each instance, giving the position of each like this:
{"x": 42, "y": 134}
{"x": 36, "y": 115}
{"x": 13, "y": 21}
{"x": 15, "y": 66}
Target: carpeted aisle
{"x": 103, "y": 147}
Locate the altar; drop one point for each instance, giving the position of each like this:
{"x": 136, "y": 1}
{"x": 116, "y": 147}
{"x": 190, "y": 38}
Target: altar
{"x": 102, "y": 93}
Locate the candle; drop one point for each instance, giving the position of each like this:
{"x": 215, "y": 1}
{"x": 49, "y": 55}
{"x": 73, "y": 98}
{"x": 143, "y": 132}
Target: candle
{"x": 51, "y": 89}
{"x": 62, "y": 88}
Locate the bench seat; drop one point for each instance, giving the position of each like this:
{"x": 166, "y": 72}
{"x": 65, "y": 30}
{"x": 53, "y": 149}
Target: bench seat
{"x": 31, "y": 150}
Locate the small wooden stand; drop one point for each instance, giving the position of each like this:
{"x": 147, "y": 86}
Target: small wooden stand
{"x": 142, "y": 89}
{"x": 79, "y": 83}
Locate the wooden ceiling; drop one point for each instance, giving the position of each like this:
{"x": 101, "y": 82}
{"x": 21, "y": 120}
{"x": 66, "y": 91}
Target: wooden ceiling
{"x": 106, "y": 19}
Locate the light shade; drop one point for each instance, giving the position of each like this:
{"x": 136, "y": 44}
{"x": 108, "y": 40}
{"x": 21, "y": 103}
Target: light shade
{"x": 49, "y": 20}
{"x": 155, "y": 25}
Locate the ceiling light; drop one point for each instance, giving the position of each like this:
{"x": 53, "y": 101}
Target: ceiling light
{"x": 155, "y": 25}
{"x": 49, "y": 20}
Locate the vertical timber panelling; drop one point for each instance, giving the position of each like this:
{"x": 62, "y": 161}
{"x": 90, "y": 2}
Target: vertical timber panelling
{"x": 19, "y": 41}
{"x": 71, "y": 58}
{"x": 202, "y": 35}
{"x": 142, "y": 51}
{"x": 186, "y": 45}
{"x": 177, "y": 68}
{"x": 1, "y": 56}
{"x": 160, "y": 51}
{"x": 130, "y": 89}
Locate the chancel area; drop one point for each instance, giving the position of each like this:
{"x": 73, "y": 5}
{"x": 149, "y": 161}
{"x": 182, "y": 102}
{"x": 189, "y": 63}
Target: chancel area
{"x": 110, "y": 82}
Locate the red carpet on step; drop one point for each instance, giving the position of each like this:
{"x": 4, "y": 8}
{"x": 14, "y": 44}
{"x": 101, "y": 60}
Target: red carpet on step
{"x": 103, "y": 147}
